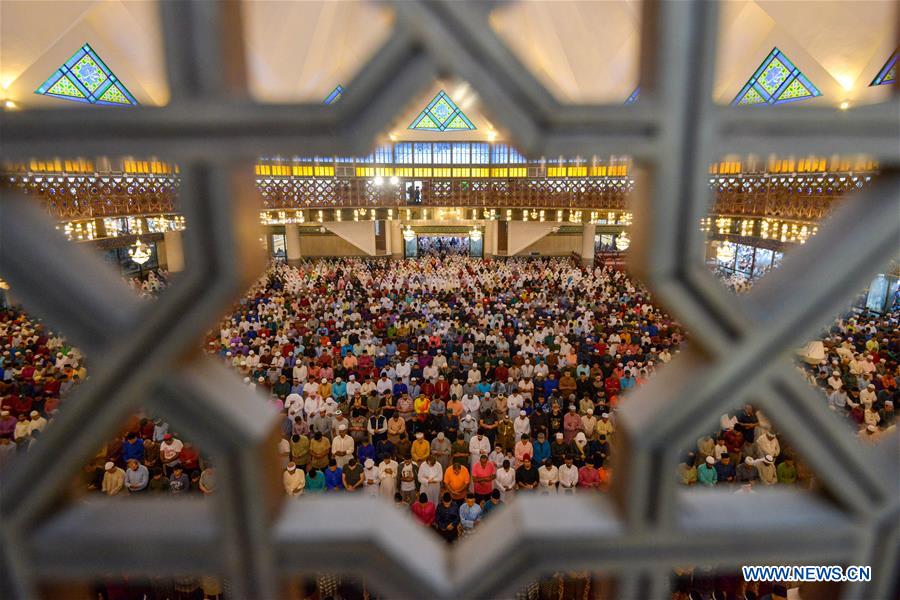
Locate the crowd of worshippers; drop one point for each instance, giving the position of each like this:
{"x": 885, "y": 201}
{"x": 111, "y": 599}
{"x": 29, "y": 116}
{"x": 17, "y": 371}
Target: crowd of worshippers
{"x": 150, "y": 283}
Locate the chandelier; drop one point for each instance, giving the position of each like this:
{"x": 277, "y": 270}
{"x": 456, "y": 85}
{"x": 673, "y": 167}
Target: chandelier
{"x": 140, "y": 252}
{"x": 623, "y": 241}
{"x": 408, "y": 234}
{"x": 475, "y": 234}
{"x": 725, "y": 252}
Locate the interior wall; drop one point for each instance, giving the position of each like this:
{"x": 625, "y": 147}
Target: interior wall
{"x": 555, "y": 244}
{"x": 327, "y": 245}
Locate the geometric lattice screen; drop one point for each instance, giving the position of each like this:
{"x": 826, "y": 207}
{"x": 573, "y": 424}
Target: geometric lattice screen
{"x": 442, "y": 114}
{"x": 776, "y": 81}
{"x": 147, "y": 354}
{"x": 888, "y": 73}
{"x": 86, "y": 78}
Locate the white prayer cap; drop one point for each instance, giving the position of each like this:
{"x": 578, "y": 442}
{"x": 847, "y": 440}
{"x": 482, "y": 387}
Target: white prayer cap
{"x": 246, "y": 380}
{"x": 34, "y": 413}
{"x": 522, "y": 413}
{"x": 590, "y": 411}
{"x": 338, "y": 412}
{"x": 836, "y": 373}
{"x": 710, "y": 460}
{"x": 770, "y": 458}
{"x": 749, "y": 460}
{"x": 369, "y": 463}
{"x": 604, "y": 415}
{"x": 419, "y": 435}
{"x": 109, "y": 465}
{"x": 261, "y": 379}
{"x": 571, "y": 407}
{"x": 342, "y": 428}
{"x": 559, "y": 436}
{"x": 291, "y": 467}
{"x": 324, "y": 380}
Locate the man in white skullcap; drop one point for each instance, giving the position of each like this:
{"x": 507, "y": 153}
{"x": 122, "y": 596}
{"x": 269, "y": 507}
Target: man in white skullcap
{"x": 113, "y": 479}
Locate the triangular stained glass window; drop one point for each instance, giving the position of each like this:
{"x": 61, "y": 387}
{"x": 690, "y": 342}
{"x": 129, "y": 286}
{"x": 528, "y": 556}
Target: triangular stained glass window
{"x": 776, "y": 81}
{"x": 86, "y": 78}
{"x": 634, "y": 96}
{"x": 335, "y": 95}
{"x": 442, "y": 114}
{"x": 888, "y": 73}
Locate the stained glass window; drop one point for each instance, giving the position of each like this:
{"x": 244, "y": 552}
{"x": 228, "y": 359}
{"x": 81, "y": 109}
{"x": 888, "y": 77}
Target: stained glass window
{"x": 515, "y": 157}
{"x": 481, "y": 153}
{"x": 441, "y": 153}
{"x": 384, "y": 154}
{"x": 335, "y": 95}
{"x": 403, "y": 153}
{"x": 442, "y": 114}
{"x": 86, "y": 78}
{"x": 776, "y": 81}
{"x": 500, "y": 154}
{"x": 888, "y": 73}
{"x": 634, "y": 96}
{"x": 422, "y": 153}
{"x": 460, "y": 153}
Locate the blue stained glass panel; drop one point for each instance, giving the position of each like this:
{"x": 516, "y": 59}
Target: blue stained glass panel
{"x": 86, "y": 78}
{"x": 335, "y": 95}
{"x": 632, "y": 98}
{"x": 888, "y": 73}
{"x": 776, "y": 81}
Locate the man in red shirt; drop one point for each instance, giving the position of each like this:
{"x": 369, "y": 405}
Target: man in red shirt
{"x": 424, "y": 510}
{"x": 483, "y": 474}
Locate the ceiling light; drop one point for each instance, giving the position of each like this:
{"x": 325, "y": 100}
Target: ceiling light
{"x": 378, "y": 180}
{"x": 623, "y": 241}
{"x": 395, "y": 180}
{"x": 139, "y": 253}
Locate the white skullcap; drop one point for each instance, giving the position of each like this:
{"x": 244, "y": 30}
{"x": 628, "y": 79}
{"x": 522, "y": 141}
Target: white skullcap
{"x": 109, "y": 465}
{"x": 749, "y": 460}
{"x": 522, "y": 413}
{"x": 710, "y": 460}
{"x": 559, "y": 436}
{"x": 769, "y": 458}
{"x": 604, "y": 415}
{"x": 369, "y": 463}
{"x": 291, "y": 467}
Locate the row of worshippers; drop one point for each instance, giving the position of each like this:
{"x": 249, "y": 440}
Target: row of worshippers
{"x": 743, "y": 453}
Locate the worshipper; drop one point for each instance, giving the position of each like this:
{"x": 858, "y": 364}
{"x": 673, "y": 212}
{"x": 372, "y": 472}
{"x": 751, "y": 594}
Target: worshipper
{"x": 371, "y": 478}
{"x": 342, "y": 447}
{"x": 430, "y": 476}
{"x": 548, "y": 478}
{"x": 179, "y": 481}
{"x": 408, "y": 477}
{"x": 505, "y": 481}
{"x": 446, "y": 518}
{"x": 766, "y": 469}
{"x": 334, "y": 477}
{"x": 588, "y": 475}
{"x": 315, "y": 481}
{"x": 159, "y": 483}
{"x": 388, "y": 473}
{"x": 469, "y": 515}
{"x": 746, "y": 472}
{"x": 207, "y": 483}
{"x": 568, "y": 475}
{"x": 706, "y": 472}
{"x": 484, "y": 473}
{"x": 786, "y": 472}
{"x": 440, "y": 449}
{"x": 424, "y": 510}
{"x": 456, "y": 481}
{"x": 294, "y": 480}
{"x": 352, "y": 475}
{"x": 113, "y": 479}
{"x": 136, "y": 476}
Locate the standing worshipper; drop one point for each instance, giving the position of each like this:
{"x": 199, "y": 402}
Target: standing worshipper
{"x": 408, "y": 475}
{"x": 484, "y": 472}
{"x": 294, "y": 480}
{"x": 440, "y": 449}
{"x": 446, "y": 519}
{"x": 430, "y": 476}
{"x": 371, "y": 478}
{"x": 388, "y": 473}
{"x": 505, "y": 481}
{"x": 469, "y": 515}
{"x": 568, "y": 475}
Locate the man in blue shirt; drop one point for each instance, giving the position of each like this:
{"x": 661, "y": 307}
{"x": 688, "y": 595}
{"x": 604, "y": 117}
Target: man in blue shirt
{"x": 446, "y": 518}
{"x": 133, "y": 448}
{"x": 334, "y": 477}
{"x": 469, "y": 514}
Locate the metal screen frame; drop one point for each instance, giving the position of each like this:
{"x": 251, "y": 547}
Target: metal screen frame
{"x": 146, "y": 353}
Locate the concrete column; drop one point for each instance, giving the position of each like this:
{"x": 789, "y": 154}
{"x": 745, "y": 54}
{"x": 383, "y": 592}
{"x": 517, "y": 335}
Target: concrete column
{"x": 587, "y": 243}
{"x": 396, "y": 238}
{"x": 292, "y": 242}
{"x": 490, "y": 238}
{"x": 174, "y": 251}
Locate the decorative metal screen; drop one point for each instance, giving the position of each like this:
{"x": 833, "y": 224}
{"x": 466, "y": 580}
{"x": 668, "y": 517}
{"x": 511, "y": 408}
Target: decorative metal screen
{"x": 146, "y": 354}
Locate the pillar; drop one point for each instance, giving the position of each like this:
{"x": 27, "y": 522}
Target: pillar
{"x": 292, "y": 243}
{"x": 396, "y": 238}
{"x": 174, "y": 251}
{"x": 587, "y": 243}
{"x": 490, "y": 238}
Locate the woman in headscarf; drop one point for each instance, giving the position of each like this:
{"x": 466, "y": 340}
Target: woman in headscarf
{"x": 580, "y": 448}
